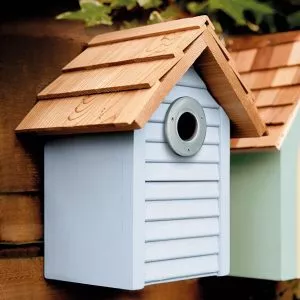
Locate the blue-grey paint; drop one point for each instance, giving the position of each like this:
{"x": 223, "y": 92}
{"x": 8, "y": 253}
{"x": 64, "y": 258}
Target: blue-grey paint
{"x": 123, "y": 210}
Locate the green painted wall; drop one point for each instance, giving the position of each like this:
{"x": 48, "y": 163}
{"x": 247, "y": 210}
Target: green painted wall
{"x": 288, "y": 161}
{"x": 263, "y": 211}
{"x": 255, "y": 214}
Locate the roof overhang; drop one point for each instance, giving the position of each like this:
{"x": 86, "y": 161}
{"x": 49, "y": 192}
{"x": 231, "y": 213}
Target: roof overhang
{"x": 118, "y": 82}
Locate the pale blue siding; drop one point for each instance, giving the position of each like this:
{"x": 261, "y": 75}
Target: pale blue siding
{"x": 183, "y": 226}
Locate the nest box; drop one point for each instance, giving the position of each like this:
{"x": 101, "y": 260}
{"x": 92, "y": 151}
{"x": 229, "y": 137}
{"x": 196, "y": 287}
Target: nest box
{"x": 265, "y": 171}
{"x": 137, "y": 168}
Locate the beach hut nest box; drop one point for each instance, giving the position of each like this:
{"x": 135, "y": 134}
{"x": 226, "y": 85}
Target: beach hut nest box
{"x": 137, "y": 165}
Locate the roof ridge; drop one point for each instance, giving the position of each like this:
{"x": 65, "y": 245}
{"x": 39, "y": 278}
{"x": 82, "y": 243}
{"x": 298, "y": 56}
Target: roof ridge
{"x": 150, "y": 30}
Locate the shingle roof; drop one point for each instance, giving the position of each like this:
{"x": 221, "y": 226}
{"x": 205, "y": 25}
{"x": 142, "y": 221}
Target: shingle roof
{"x": 121, "y": 78}
{"x": 270, "y": 66}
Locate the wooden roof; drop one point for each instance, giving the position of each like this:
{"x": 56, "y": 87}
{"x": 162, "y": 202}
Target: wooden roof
{"x": 120, "y": 79}
{"x": 270, "y": 66}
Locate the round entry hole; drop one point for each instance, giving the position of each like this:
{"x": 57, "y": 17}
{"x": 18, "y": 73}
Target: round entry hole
{"x": 187, "y": 126}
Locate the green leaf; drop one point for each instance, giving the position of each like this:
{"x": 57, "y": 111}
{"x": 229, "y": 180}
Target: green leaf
{"x": 294, "y": 19}
{"x": 147, "y": 4}
{"x": 197, "y": 8}
{"x": 271, "y": 23}
{"x": 172, "y": 12}
{"x": 129, "y": 4}
{"x": 236, "y": 8}
{"x": 155, "y": 17}
{"x": 91, "y": 12}
{"x": 130, "y": 24}
{"x": 218, "y": 26}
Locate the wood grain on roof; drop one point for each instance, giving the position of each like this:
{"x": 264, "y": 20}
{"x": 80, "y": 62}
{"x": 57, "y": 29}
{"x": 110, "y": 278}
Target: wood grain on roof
{"x": 270, "y": 65}
{"x": 121, "y": 78}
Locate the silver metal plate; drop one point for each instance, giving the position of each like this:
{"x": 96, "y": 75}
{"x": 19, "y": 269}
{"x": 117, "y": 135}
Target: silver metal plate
{"x": 185, "y": 126}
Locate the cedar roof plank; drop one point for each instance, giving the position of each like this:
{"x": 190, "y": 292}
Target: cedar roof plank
{"x": 286, "y": 76}
{"x": 262, "y": 58}
{"x": 251, "y": 42}
{"x": 279, "y": 77}
{"x": 277, "y": 96}
{"x": 249, "y": 144}
{"x": 150, "y": 30}
{"x": 110, "y": 79}
{"x": 244, "y": 59}
{"x": 294, "y": 58}
{"x": 276, "y": 115}
{"x": 117, "y": 110}
{"x": 139, "y": 50}
{"x": 271, "y": 57}
{"x": 228, "y": 91}
{"x": 95, "y": 113}
{"x": 280, "y": 55}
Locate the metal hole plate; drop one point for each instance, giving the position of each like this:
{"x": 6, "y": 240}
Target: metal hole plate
{"x": 190, "y": 146}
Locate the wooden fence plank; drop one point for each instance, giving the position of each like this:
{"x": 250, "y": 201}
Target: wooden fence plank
{"x": 20, "y": 218}
{"x": 22, "y": 279}
{"x": 24, "y": 71}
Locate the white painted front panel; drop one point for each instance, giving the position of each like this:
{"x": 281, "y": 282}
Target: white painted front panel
{"x": 184, "y": 235}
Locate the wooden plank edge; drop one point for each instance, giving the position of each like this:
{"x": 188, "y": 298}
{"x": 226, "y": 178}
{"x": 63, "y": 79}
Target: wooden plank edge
{"x": 230, "y": 60}
{"x": 94, "y": 128}
{"x": 121, "y": 88}
{"x": 259, "y": 69}
{"x": 275, "y": 105}
{"x": 265, "y": 87}
{"x": 67, "y": 69}
{"x": 150, "y": 30}
{"x": 246, "y": 100}
{"x": 267, "y": 148}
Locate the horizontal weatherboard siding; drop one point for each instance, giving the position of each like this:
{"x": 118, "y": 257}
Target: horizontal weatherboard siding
{"x": 165, "y": 250}
{"x": 181, "y": 172}
{"x": 191, "y": 78}
{"x": 161, "y": 152}
{"x": 211, "y": 115}
{"x": 182, "y": 205}
{"x": 178, "y": 229}
{"x": 181, "y": 190}
{"x": 201, "y": 95}
{"x": 181, "y": 209}
{"x": 155, "y": 133}
{"x": 180, "y": 268}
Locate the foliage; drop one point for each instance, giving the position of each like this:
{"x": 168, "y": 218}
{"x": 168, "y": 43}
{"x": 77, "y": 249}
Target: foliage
{"x": 232, "y": 16}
